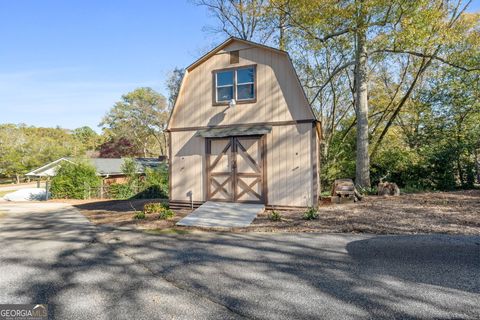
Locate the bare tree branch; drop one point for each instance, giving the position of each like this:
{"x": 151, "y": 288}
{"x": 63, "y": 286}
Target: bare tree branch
{"x": 427, "y": 56}
{"x": 336, "y": 71}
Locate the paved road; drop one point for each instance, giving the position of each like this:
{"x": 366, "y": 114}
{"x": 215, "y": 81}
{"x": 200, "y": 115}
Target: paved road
{"x": 52, "y": 254}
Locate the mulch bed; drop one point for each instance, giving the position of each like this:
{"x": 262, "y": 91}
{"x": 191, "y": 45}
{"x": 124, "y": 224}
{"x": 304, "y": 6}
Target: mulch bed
{"x": 120, "y": 213}
{"x": 437, "y": 212}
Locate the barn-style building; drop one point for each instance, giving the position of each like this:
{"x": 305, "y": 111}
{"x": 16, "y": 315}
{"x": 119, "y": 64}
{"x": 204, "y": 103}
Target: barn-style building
{"x": 242, "y": 130}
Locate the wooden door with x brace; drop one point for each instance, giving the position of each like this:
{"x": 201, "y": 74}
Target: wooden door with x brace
{"x": 235, "y": 169}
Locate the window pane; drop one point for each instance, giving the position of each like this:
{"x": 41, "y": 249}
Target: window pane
{"x": 225, "y": 93}
{"x": 225, "y": 78}
{"x": 245, "y": 91}
{"x": 244, "y": 75}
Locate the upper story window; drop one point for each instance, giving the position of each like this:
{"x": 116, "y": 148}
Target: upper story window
{"x": 245, "y": 84}
{"x": 238, "y": 84}
{"x": 225, "y": 85}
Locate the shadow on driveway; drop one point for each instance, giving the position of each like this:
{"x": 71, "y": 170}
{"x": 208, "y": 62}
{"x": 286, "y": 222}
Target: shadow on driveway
{"x": 51, "y": 254}
{"x": 285, "y": 276}
{"x": 54, "y": 255}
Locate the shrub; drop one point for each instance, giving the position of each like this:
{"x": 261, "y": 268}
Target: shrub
{"x": 120, "y": 191}
{"x": 274, "y": 216}
{"x": 153, "y": 185}
{"x": 155, "y": 207}
{"x": 166, "y": 214}
{"x": 158, "y": 207}
{"x": 139, "y": 215}
{"x": 74, "y": 181}
{"x": 310, "y": 214}
{"x": 156, "y": 182}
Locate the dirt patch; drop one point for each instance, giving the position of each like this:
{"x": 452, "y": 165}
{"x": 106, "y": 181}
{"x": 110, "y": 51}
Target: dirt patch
{"x": 121, "y": 213}
{"x": 438, "y": 212}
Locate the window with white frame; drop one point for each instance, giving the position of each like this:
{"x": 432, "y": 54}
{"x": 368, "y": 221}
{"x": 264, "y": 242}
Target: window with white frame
{"x": 245, "y": 84}
{"x": 238, "y": 84}
{"x": 224, "y": 84}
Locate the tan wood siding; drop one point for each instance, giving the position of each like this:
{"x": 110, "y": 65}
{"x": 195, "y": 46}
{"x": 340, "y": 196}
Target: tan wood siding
{"x": 289, "y": 166}
{"x": 188, "y": 163}
{"x": 279, "y": 95}
{"x": 290, "y": 170}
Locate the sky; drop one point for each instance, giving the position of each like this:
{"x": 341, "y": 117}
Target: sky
{"x": 66, "y": 62}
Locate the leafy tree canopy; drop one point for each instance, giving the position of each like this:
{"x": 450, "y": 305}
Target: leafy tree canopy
{"x": 142, "y": 116}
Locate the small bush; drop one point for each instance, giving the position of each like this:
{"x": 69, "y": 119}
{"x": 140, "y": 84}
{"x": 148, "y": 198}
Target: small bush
{"x": 155, "y": 207}
{"x": 139, "y": 215}
{"x": 274, "y": 216}
{"x": 310, "y": 214}
{"x": 166, "y": 214}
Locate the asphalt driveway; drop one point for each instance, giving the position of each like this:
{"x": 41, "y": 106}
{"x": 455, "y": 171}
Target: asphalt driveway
{"x": 51, "y": 254}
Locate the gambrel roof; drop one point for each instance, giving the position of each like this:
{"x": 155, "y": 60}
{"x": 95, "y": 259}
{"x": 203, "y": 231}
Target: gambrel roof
{"x": 222, "y": 46}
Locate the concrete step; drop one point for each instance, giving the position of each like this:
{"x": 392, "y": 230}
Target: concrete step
{"x": 223, "y": 215}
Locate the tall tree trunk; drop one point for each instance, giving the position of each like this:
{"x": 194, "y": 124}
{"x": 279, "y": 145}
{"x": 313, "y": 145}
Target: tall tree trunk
{"x": 282, "y": 19}
{"x": 362, "y": 172}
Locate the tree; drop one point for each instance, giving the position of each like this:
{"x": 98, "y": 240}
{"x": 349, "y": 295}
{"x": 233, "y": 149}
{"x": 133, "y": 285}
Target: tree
{"x": 363, "y": 65}
{"x": 119, "y": 147}
{"x": 173, "y": 84}
{"x": 24, "y": 148}
{"x": 13, "y": 152}
{"x": 454, "y": 98}
{"x": 87, "y": 137}
{"x": 244, "y": 19}
{"x": 142, "y": 115}
{"x": 369, "y": 30}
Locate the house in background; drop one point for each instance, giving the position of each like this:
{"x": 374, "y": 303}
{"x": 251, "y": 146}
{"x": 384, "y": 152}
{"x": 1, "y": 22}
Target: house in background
{"x": 242, "y": 130}
{"x": 110, "y": 169}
